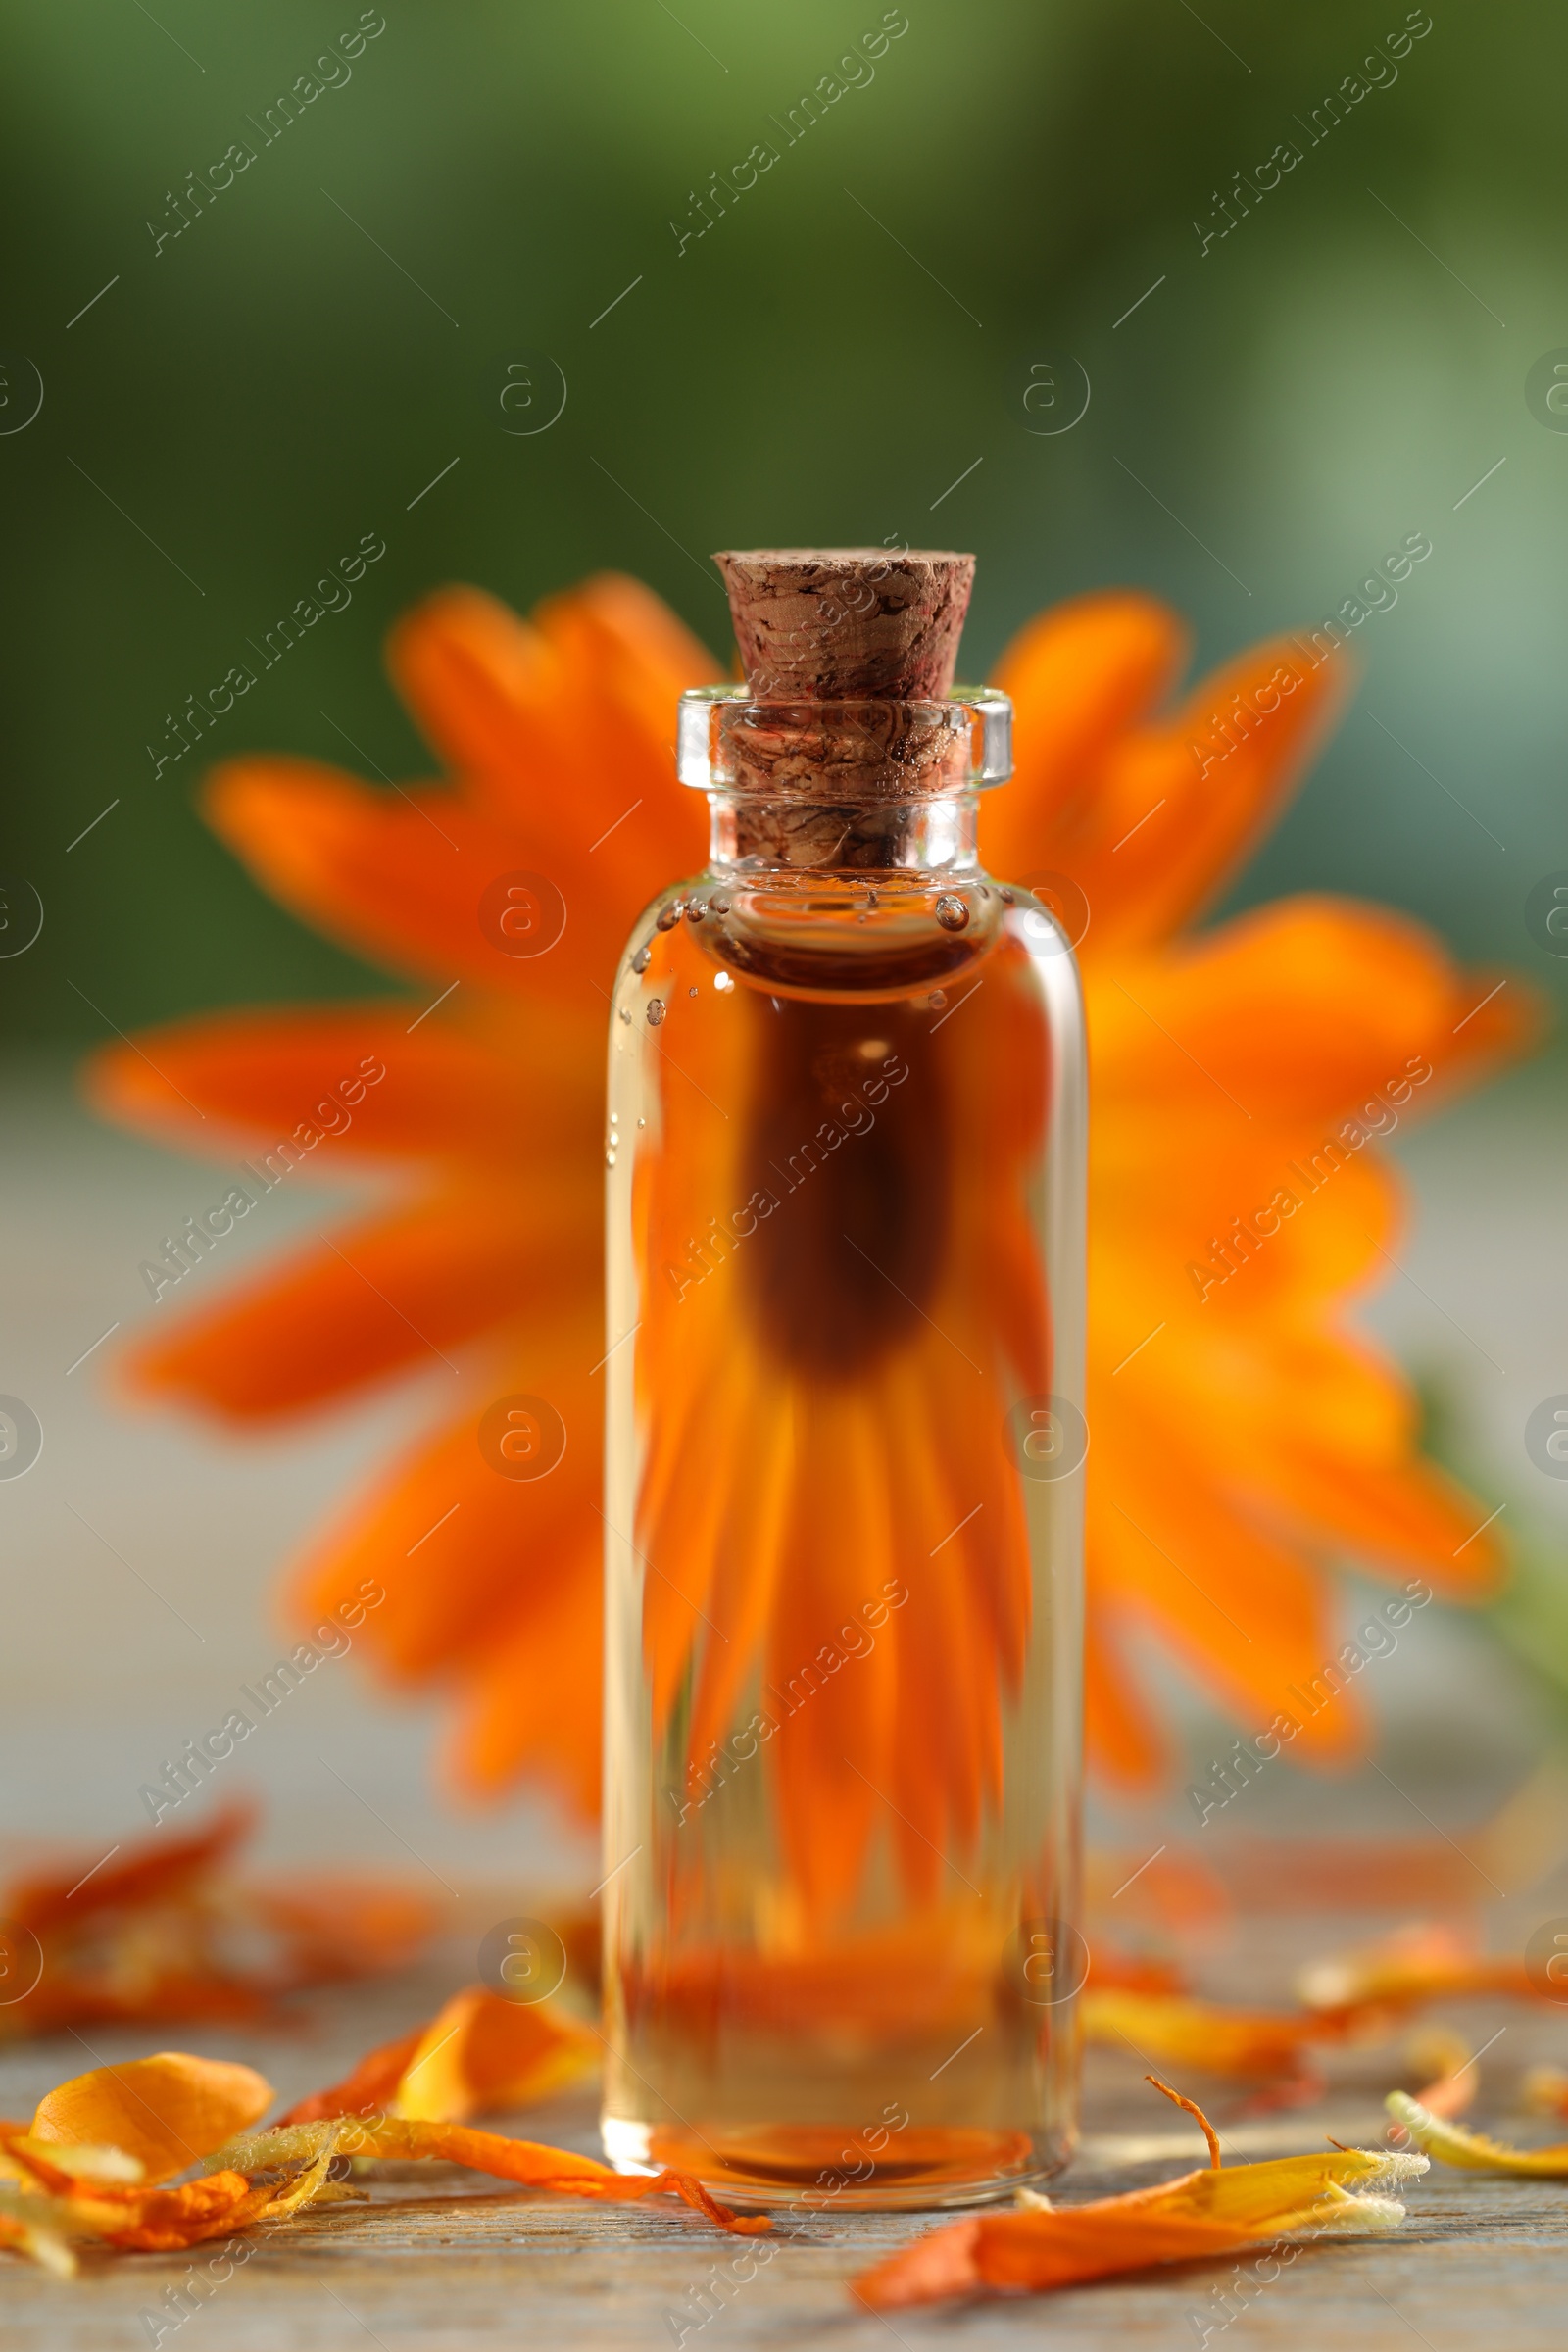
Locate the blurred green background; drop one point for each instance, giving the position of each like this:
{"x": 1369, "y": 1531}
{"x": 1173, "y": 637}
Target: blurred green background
{"x": 856, "y": 333}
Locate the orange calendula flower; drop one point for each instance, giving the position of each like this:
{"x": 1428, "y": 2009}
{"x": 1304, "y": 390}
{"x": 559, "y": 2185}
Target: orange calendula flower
{"x": 1240, "y": 1077}
{"x": 1201, "y": 2214}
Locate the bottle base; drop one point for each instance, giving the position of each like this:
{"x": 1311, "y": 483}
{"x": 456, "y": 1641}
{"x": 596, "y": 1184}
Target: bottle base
{"x": 824, "y": 2167}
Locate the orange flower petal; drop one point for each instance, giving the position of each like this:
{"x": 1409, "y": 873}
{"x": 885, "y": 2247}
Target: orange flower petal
{"x": 536, "y": 2166}
{"x": 400, "y": 1290}
{"x": 1110, "y": 1970}
{"x": 443, "y": 1599}
{"x": 631, "y": 640}
{"x": 88, "y": 2197}
{"x": 368, "y": 2089}
{"x": 1545, "y": 2091}
{"x": 370, "y": 867}
{"x": 1080, "y": 675}
{"x": 1199, "y": 2215}
{"x": 482, "y": 2053}
{"x": 158, "y": 1869}
{"x": 1291, "y": 1014}
{"x": 1420, "y": 1963}
{"x": 408, "y": 880}
{"x": 489, "y": 693}
{"x": 508, "y": 703}
{"x": 1271, "y": 1631}
{"x": 172, "y": 2219}
{"x": 1195, "y": 824}
{"x": 1444, "y": 2061}
{"x": 1203, "y": 2034}
{"x": 149, "y": 1936}
{"x": 168, "y": 2111}
{"x": 249, "y": 1082}
{"x": 1147, "y": 821}
{"x": 532, "y": 1701}
{"x": 1117, "y": 1731}
{"x": 337, "y": 1926}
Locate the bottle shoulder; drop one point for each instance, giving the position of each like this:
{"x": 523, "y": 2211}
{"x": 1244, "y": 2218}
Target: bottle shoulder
{"x": 866, "y": 937}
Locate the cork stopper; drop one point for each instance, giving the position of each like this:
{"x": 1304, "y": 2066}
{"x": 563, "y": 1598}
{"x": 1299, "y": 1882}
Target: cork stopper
{"x": 847, "y": 623}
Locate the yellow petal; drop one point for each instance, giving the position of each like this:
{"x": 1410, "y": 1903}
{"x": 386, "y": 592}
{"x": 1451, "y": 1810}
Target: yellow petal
{"x": 1473, "y": 2151}
{"x": 1202, "y": 2033}
{"x": 23, "y": 2232}
{"x": 1293, "y": 2191}
{"x": 276, "y": 2151}
{"x": 82, "y": 2162}
{"x": 168, "y": 2112}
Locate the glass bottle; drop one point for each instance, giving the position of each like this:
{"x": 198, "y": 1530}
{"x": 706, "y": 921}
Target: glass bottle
{"x": 844, "y": 1477}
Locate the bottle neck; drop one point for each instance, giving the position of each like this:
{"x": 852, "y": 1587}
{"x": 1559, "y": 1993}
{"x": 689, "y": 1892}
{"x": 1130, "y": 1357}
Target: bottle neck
{"x": 844, "y": 787}
{"x": 789, "y": 835}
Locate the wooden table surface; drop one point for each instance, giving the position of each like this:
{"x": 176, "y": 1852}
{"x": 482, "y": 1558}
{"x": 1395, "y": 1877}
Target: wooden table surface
{"x": 445, "y": 2261}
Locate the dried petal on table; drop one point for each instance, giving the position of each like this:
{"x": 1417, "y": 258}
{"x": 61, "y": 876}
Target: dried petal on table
{"x": 1423, "y": 1962}
{"x": 1444, "y": 2062}
{"x": 90, "y": 2163}
{"x": 168, "y": 2112}
{"x": 1545, "y": 2091}
{"x": 1241, "y": 2042}
{"x": 1113, "y": 1969}
{"x": 342, "y": 1926}
{"x": 1177, "y": 1891}
{"x": 164, "y": 1931}
{"x": 23, "y": 2157}
{"x": 480, "y": 2053}
{"x": 1472, "y": 2151}
{"x": 1200, "y": 2214}
{"x": 368, "y": 2089}
{"x": 66, "y": 2179}
{"x": 526, "y": 2161}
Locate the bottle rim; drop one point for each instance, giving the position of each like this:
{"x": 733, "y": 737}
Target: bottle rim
{"x": 728, "y": 741}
